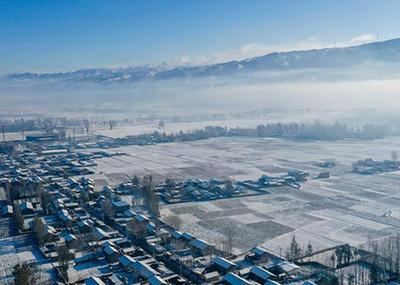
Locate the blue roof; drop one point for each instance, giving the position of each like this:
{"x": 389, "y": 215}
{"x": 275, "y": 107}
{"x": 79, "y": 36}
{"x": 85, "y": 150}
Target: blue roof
{"x": 259, "y": 250}
{"x": 234, "y": 279}
{"x": 200, "y": 244}
{"x": 143, "y": 269}
{"x": 126, "y": 260}
{"x": 187, "y": 236}
{"x": 176, "y": 234}
{"x": 120, "y": 204}
{"x": 155, "y": 280}
{"x": 271, "y": 282}
{"x": 94, "y": 281}
{"x": 261, "y": 272}
{"x": 224, "y": 263}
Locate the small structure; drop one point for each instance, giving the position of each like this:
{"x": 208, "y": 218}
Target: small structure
{"x": 120, "y": 206}
{"x": 201, "y": 247}
{"x": 222, "y": 265}
{"x": 26, "y": 208}
{"x": 260, "y": 274}
{"x": 100, "y": 234}
{"x": 71, "y": 240}
{"x": 110, "y": 252}
{"x": 156, "y": 280}
{"x": 234, "y": 279}
{"x": 7, "y": 211}
{"x": 94, "y": 281}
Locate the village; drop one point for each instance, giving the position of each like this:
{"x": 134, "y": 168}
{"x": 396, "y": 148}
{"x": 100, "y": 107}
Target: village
{"x": 62, "y": 228}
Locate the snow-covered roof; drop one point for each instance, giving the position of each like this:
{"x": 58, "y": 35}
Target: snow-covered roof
{"x": 26, "y": 205}
{"x": 234, "y": 279}
{"x": 176, "y": 234}
{"x": 288, "y": 266}
{"x": 224, "y": 263}
{"x": 109, "y": 249}
{"x": 143, "y": 269}
{"x": 187, "y": 236}
{"x": 130, "y": 213}
{"x": 141, "y": 218}
{"x": 94, "y": 281}
{"x": 126, "y": 260}
{"x": 69, "y": 237}
{"x": 155, "y": 280}
{"x": 271, "y": 282}
{"x": 200, "y": 244}
{"x": 261, "y": 272}
{"x": 100, "y": 234}
{"x": 259, "y": 250}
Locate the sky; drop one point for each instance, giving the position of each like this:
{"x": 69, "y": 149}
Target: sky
{"x": 62, "y": 35}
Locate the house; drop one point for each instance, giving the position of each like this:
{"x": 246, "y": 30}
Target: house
{"x": 84, "y": 226}
{"x": 71, "y": 240}
{"x": 151, "y": 228}
{"x": 7, "y": 211}
{"x": 201, "y": 247}
{"x": 143, "y": 269}
{"x": 234, "y": 279}
{"x": 260, "y": 254}
{"x": 138, "y": 226}
{"x": 187, "y": 236}
{"x": 110, "y": 252}
{"x": 120, "y": 206}
{"x": 260, "y": 274}
{"x": 130, "y": 214}
{"x": 51, "y": 233}
{"x": 26, "y": 208}
{"x": 211, "y": 276}
{"x": 155, "y": 280}
{"x": 64, "y": 215}
{"x": 288, "y": 267}
{"x": 127, "y": 262}
{"x": 222, "y": 265}
{"x": 94, "y": 281}
{"x": 100, "y": 234}
{"x": 271, "y": 282}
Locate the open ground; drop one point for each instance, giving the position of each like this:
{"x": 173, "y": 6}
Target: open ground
{"x": 346, "y": 208}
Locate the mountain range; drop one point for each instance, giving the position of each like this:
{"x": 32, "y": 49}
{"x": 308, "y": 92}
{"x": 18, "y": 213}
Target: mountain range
{"x": 343, "y": 57}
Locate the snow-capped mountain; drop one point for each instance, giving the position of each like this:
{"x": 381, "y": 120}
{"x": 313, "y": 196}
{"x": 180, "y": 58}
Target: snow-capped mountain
{"x": 377, "y": 52}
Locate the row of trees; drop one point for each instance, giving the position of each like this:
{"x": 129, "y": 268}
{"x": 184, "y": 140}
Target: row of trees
{"x": 315, "y": 130}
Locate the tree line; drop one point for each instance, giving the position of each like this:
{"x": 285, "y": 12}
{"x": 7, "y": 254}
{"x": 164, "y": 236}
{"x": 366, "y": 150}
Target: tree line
{"x": 307, "y": 131}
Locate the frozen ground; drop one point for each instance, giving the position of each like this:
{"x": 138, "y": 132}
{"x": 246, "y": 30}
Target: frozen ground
{"x": 18, "y": 250}
{"x": 346, "y": 208}
{"x": 123, "y": 130}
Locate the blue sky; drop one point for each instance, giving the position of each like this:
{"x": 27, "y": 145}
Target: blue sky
{"x": 45, "y": 36}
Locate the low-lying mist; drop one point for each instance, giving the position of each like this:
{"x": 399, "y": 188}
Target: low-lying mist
{"x": 367, "y": 87}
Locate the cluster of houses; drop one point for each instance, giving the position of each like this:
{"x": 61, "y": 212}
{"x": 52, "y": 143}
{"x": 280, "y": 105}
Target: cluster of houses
{"x": 112, "y": 240}
{"x": 201, "y": 190}
{"x": 369, "y": 166}
{"x": 111, "y": 237}
{"x": 213, "y": 189}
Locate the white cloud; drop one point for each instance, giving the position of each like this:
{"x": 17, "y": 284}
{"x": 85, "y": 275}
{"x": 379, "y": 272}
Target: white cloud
{"x": 257, "y": 49}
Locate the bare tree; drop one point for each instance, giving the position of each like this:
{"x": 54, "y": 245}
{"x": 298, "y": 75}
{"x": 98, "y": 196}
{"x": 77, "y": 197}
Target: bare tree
{"x": 64, "y": 257}
{"x": 25, "y": 274}
{"x": 228, "y": 244}
{"x": 173, "y": 221}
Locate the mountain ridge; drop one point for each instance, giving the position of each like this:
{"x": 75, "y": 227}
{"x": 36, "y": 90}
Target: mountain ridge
{"x": 385, "y": 51}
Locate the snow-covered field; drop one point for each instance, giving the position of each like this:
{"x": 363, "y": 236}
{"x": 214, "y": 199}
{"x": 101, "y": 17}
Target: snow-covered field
{"x": 18, "y": 250}
{"x": 346, "y": 208}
